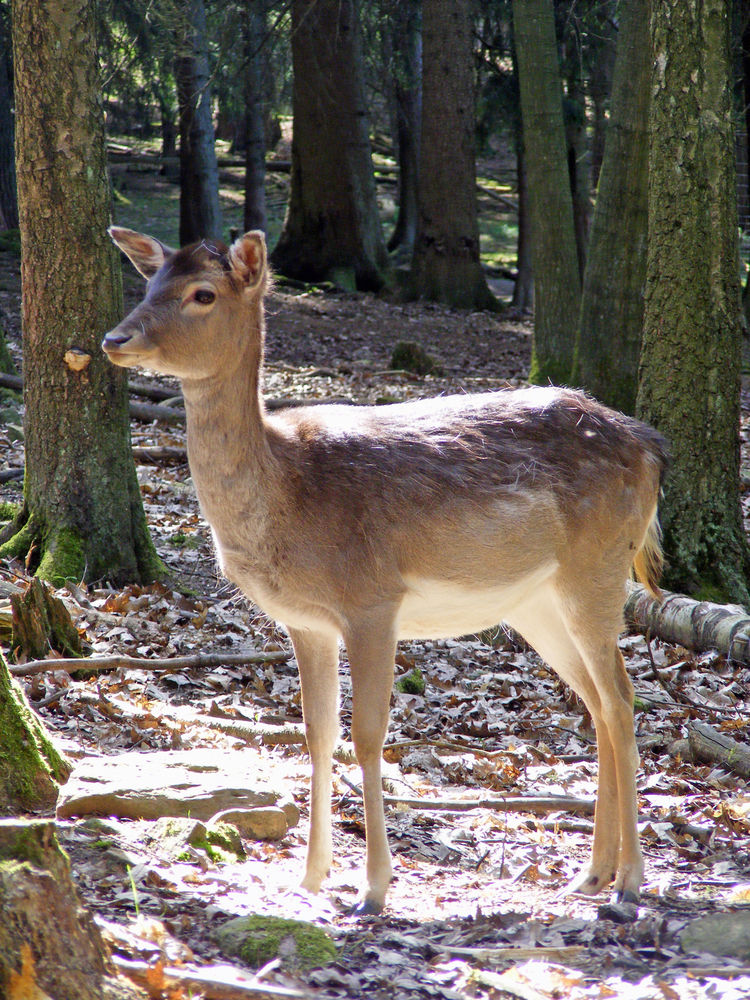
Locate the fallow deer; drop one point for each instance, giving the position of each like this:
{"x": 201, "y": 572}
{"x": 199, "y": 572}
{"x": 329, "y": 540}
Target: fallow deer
{"x": 422, "y": 519}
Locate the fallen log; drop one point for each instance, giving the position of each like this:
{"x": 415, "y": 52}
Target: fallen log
{"x": 710, "y": 746}
{"x": 696, "y": 625}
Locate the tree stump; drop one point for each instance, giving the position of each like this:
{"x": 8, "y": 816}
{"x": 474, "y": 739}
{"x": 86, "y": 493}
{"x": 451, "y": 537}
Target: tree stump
{"x": 41, "y": 622}
{"x": 50, "y": 946}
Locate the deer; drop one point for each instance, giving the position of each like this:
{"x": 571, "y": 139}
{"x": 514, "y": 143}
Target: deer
{"x": 424, "y": 519}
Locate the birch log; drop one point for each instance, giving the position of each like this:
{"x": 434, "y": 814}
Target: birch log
{"x": 696, "y": 625}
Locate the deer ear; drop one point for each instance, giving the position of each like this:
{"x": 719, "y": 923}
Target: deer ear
{"x": 247, "y": 257}
{"x": 145, "y": 253}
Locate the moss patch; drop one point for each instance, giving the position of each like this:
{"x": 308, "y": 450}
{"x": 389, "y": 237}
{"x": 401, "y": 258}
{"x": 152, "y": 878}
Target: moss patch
{"x": 412, "y": 683}
{"x": 260, "y": 939}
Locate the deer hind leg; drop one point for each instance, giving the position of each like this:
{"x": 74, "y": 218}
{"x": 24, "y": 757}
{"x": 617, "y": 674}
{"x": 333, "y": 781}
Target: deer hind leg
{"x": 591, "y": 664}
{"x": 371, "y": 656}
{"x": 318, "y": 659}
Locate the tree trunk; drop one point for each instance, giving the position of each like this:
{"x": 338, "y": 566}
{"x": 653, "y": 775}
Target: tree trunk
{"x": 557, "y": 295}
{"x": 200, "y": 212}
{"x": 406, "y": 46}
{"x": 690, "y": 362}
{"x": 612, "y": 304}
{"x": 601, "y": 83}
{"x": 31, "y": 767}
{"x": 446, "y": 266}
{"x": 332, "y": 228}
{"x": 523, "y": 290}
{"x": 8, "y": 197}
{"x": 82, "y": 515}
{"x": 254, "y": 27}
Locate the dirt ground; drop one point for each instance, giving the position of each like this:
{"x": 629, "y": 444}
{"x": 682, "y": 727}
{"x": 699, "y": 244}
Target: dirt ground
{"x": 491, "y": 722}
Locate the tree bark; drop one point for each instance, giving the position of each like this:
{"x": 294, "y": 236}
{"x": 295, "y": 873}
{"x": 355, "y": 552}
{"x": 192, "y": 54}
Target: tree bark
{"x": 200, "y": 212}
{"x": 406, "y": 47}
{"x": 332, "y": 228}
{"x": 613, "y": 284}
{"x": 557, "y": 295}
{"x": 445, "y": 265}
{"x": 690, "y": 361}
{"x": 82, "y": 515}
{"x": 254, "y": 29}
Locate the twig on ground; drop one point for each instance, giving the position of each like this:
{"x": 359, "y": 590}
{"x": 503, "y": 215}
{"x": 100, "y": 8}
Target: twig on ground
{"x": 210, "y": 981}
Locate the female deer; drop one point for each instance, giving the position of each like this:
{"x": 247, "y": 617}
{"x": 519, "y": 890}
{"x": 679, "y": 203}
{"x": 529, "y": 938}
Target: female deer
{"x": 418, "y": 520}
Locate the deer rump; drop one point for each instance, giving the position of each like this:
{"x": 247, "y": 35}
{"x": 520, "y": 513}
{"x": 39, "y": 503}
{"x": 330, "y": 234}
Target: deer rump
{"x": 455, "y": 510}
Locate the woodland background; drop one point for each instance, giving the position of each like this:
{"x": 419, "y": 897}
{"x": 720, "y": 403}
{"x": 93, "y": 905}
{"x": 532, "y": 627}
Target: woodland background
{"x": 457, "y": 197}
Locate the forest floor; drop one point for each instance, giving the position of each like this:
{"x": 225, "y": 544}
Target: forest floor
{"x": 475, "y": 909}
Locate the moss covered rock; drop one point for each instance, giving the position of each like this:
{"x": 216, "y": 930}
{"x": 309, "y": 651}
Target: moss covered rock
{"x": 260, "y": 939}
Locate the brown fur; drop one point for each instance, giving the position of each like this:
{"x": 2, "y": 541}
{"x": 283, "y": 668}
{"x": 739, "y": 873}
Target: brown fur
{"x": 426, "y": 518}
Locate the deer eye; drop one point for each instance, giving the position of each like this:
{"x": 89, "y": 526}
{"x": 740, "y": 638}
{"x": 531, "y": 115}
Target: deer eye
{"x": 204, "y": 296}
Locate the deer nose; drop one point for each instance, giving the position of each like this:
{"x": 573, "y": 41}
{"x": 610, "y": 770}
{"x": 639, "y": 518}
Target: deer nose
{"x": 115, "y": 339}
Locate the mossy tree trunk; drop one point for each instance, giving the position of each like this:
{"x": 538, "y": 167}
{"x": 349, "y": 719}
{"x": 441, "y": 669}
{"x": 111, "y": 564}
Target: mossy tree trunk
{"x": 82, "y": 515}
{"x": 690, "y": 361}
{"x": 557, "y": 283}
{"x": 445, "y": 264}
{"x": 332, "y": 228}
{"x": 253, "y": 37}
{"x": 609, "y": 342}
{"x": 30, "y": 767}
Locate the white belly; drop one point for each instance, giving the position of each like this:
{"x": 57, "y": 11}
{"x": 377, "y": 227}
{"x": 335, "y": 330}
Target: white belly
{"x": 441, "y": 609}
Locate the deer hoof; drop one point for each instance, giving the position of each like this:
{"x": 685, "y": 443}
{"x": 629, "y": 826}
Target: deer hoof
{"x": 367, "y": 908}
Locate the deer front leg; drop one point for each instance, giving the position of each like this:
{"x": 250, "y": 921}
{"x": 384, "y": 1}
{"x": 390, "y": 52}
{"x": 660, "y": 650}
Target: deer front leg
{"x": 318, "y": 659}
{"x": 372, "y": 651}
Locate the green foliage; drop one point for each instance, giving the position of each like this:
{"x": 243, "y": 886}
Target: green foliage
{"x": 412, "y": 683}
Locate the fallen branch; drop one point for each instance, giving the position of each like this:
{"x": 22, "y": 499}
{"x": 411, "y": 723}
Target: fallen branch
{"x": 696, "y": 625}
{"x": 539, "y": 805}
{"x": 139, "y": 663}
{"x": 518, "y": 954}
{"x": 211, "y": 982}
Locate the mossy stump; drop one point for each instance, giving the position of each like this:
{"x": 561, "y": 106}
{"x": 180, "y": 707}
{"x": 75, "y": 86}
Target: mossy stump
{"x": 30, "y": 767}
{"x": 49, "y": 944}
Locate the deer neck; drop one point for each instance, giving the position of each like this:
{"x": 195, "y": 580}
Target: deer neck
{"x": 226, "y": 432}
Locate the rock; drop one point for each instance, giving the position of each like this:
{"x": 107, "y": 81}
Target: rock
{"x": 174, "y": 833}
{"x": 259, "y": 823}
{"x": 725, "y": 934}
{"x": 196, "y": 783}
{"x": 260, "y": 939}
{"x": 225, "y": 837}
{"x": 49, "y": 944}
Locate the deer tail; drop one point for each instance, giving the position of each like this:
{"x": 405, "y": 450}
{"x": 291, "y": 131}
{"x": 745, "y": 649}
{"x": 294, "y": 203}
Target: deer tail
{"x": 648, "y": 561}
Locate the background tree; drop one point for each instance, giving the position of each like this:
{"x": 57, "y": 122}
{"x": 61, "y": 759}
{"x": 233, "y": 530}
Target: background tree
{"x": 690, "y": 363}
{"x": 254, "y": 39}
{"x": 82, "y": 515}
{"x": 445, "y": 265}
{"x": 200, "y": 212}
{"x": 557, "y": 285}
{"x": 332, "y": 228}
{"x": 405, "y": 30}
{"x": 8, "y": 197}
{"x": 613, "y": 283}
